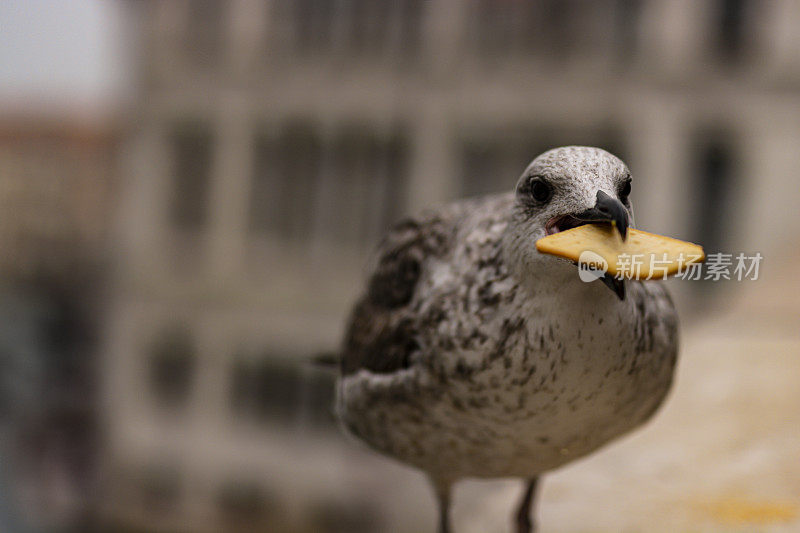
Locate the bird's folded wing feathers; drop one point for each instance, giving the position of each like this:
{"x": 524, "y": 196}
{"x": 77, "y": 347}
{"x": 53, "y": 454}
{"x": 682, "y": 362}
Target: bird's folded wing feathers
{"x": 381, "y": 332}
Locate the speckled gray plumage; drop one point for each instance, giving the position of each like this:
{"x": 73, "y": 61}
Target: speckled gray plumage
{"x": 471, "y": 354}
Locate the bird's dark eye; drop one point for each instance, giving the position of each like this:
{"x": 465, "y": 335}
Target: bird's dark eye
{"x": 625, "y": 190}
{"x": 541, "y": 191}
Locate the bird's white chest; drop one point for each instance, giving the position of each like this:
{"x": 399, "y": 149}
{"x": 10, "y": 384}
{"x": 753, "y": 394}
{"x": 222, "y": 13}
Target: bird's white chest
{"x": 559, "y": 385}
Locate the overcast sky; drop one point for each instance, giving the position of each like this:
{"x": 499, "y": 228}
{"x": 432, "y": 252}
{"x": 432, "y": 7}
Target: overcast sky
{"x": 61, "y": 53}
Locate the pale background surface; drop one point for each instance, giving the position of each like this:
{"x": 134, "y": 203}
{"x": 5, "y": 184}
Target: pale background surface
{"x": 189, "y": 191}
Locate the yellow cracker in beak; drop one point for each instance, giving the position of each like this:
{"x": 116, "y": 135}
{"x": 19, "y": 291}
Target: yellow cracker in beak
{"x": 641, "y": 256}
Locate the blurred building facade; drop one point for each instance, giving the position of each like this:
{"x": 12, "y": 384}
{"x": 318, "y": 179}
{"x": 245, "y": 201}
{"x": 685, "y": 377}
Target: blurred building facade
{"x": 56, "y": 194}
{"x": 273, "y": 142}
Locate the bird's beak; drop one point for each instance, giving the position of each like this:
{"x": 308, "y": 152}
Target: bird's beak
{"x": 617, "y": 286}
{"x": 607, "y": 209}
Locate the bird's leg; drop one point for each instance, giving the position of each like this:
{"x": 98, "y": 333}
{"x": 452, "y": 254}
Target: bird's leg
{"x": 525, "y": 523}
{"x": 443, "y": 490}
{"x": 444, "y": 513}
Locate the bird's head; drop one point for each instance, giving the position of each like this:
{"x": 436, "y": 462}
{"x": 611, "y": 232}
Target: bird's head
{"x": 567, "y": 187}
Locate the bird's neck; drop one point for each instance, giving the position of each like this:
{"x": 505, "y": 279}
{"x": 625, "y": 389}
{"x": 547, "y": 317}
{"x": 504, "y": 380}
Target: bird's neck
{"x": 542, "y": 275}
{"x": 545, "y": 276}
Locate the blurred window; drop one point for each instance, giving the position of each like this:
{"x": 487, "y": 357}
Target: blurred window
{"x": 161, "y": 487}
{"x": 544, "y": 27}
{"x": 731, "y": 30}
{"x": 312, "y": 22}
{"x": 286, "y": 175}
{"x": 204, "y": 30}
{"x": 277, "y": 390}
{"x": 368, "y": 172}
{"x": 243, "y": 502}
{"x": 192, "y": 151}
{"x": 172, "y": 365}
{"x": 502, "y": 25}
{"x": 265, "y": 388}
{"x": 409, "y": 25}
{"x": 354, "y": 28}
{"x": 627, "y": 21}
{"x": 554, "y": 31}
{"x": 317, "y": 396}
{"x": 346, "y": 187}
{"x": 714, "y": 164}
{"x": 329, "y": 514}
{"x": 492, "y": 163}
{"x": 369, "y": 25}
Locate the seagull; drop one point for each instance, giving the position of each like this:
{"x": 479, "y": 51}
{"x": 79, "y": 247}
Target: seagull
{"x": 472, "y": 355}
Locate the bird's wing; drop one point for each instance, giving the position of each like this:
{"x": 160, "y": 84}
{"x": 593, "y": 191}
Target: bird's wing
{"x": 381, "y": 332}
{"x": 656, "y": 326}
